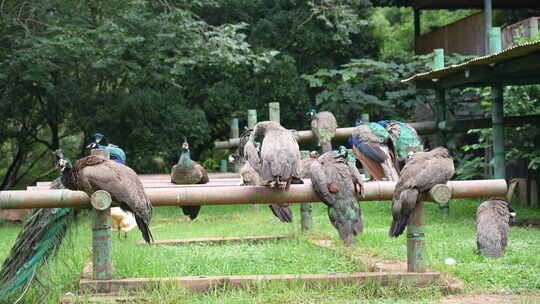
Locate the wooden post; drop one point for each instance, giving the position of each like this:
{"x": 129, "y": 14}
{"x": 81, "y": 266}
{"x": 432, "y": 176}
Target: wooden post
{"x": 497, "y": 116}
{"x": 415, "y": 240}
{"x": 533, "y": 28}
{"x": 223, "y": 165}
{"x": 487, "y": 24}
{"x": 417, "y": 29}
{"x": 306, "y": 209}
{"x": 102, "y": 230}
{"x": 273, "y": 111}
{"x": 252, "y": 118}
{"x": 440, "y": 112}
{"x": 252, "y": 121}
{"x": 235, "y": 133}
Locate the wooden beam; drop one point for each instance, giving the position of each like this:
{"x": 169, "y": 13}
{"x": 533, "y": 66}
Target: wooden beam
{"x": 205, "y": 283}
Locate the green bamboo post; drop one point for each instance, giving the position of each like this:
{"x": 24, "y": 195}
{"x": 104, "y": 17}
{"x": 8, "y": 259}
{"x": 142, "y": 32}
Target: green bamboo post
{"x": 273, "y": 111}
{"x": 364, "y": 117}
{"x": 488, "y": 12}
{"x": 235, "y": 133}
{"x": 497, "y": 111}
{"x": 223, "y": 165}
{"x": 306, "y": 209}
{"x": 440, "y": 112}
{"x": 533, "y": 28}
{"x": 415, "y": 240}
{"x": 252, "y": 121}
{"x": 101, "y": 230}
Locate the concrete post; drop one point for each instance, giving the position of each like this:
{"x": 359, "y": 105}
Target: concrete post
{"x": 273, "y": 109}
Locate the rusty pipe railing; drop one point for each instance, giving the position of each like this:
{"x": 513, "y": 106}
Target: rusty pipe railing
{"x": 423, "y": 128}
{"x": 231, "y": 195}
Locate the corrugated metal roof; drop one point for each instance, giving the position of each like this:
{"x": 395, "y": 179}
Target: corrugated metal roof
{"x": 458, "y": 4}
{"x": 489, "y": 60}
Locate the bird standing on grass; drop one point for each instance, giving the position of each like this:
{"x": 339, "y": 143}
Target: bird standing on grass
{"x": 373, "y": 147}
{"x": 324, "y": 126}
{"x": 421, "y": 172}
{"x": 249, "y": 176}
{"x": 337, "y": 183}
{"x": 492, "y": 222}
{"x": 187, "y": 171}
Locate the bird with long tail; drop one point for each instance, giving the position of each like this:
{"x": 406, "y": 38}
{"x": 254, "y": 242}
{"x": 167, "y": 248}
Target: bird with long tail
{"x": 374, "y": 148}
{"x": 188, "y": 171}
{"x": 324, "y": 125}
{"x": 422, "y": 171}
{"x": 250, "y": 177}
{"x": 45, "y": 228}
{"x": 405, "y": 139}
{"x": 338, "y": 185}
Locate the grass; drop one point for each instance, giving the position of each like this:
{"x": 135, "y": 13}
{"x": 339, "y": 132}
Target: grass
{"x": 452, "y": 236}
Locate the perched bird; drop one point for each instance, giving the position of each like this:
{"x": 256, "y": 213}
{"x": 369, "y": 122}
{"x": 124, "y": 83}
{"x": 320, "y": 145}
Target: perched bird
{"x": 122, "y": 221}
{"x": 93, "y": 173}
{"x": 337, "y": 183}
{"x": 373, "y": 147}
{"x": 37, "y": 243}
{"x": 117, "y": 154}
{"x": 306, "y": 164}
{"x": 492, "y": 221}
{"x": 277, "y": 160}
{"x": 421, "y": 172}
{"x": 249, "y": 176}
{"x": 405, "y": 139}
{"x": 187, "y": 171}
{"x": 324, "y": 126}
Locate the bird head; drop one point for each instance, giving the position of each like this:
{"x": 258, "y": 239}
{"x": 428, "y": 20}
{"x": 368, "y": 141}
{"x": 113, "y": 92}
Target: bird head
{"x": 311, "y": 112}
{"x": 512, "y": 213}
{"x": 62, "y": 163}
{"x": 358, "y": 122}
{"x": 314, "y": 154}
{"x": 343, "y": 151}
{"x": 98, "y": 137}
{"x": 185, "y": 145}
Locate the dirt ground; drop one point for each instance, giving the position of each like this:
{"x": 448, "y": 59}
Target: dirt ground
{"x": 491, "y": 299}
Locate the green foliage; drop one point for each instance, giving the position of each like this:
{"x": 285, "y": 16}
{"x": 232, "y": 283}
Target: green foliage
{"x": 368, "y": 86}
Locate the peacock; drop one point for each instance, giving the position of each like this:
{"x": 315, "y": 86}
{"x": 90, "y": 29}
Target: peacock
{"x": 250, "y": 177}
{"x": 492, "y": 222}
{"x": 45, "y": 228}
{"x": 277, "y": 160}
{"x": 337, "y": 183}
{"x": 117, "y": 154}
{"x": 324, "y": 126}
{"x": 306, "y": 164}
{"x": 374, "y": 148}
{"x": 37, "y": 242}
{"x": 187, "y": 171}
{"x": 404, "y": 137}
{"x": 422, "y": 171}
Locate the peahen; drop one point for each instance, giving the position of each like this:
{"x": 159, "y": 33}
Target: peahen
{"x": 324, "y": 126}
{"x": 250, "y": 177}
{"x": 187, "y": 171}
{"x": 306, "y": 164}
{"x": 274, "y": 154}
{"x": 493, "y": 218}
{"x": 337, "y": 183}
{"x": 421, "y": 172}
{"x": 117, "y": 154}
{"x": 374, "y": 148}
{"x": 404, "y": 137}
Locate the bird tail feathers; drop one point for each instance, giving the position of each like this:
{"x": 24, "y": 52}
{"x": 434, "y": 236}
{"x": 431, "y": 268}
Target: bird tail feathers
{"x": 398, "y": 226}
{"x": 191, "y": 211}
{"x": 144, "y": 227}
{"x": 282, "y": 212}
{"x": 38, "y": 242}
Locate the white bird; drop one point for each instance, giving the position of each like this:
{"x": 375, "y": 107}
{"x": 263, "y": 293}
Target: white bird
{"x": 122, "y": 221}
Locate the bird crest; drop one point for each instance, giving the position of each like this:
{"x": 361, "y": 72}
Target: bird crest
{"x": 185, "y": 145}
{"x": 311, "y": 112}
{"x": 62, "y": 163}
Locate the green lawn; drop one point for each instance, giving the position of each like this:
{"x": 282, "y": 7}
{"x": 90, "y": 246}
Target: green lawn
{"x": 452, "y": 236}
